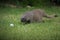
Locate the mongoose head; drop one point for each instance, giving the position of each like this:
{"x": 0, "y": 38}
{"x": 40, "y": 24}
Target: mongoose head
{"x": 24, "y": 20}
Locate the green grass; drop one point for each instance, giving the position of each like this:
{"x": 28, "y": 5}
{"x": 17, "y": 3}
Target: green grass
{"x": 49, "y": 30}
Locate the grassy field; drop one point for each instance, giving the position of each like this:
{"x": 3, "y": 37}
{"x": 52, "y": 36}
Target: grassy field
{"x": 49, "y": 30}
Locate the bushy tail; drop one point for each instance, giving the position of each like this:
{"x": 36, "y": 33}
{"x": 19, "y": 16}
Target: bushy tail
{"x": 51, "y": 16}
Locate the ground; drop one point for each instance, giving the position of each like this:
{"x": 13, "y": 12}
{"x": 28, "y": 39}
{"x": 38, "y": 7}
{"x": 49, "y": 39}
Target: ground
{"x": 49, "y": 30}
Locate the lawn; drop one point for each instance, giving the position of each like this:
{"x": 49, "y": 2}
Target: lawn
{"x": 49, "y": 30}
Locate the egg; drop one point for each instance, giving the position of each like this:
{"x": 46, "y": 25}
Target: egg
{"x": 12, "y": 25}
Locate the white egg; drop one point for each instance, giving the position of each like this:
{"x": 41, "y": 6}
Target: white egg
{"x": 12, "y": 25}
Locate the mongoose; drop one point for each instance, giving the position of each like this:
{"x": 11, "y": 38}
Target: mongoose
{"x": 35, "y": 16}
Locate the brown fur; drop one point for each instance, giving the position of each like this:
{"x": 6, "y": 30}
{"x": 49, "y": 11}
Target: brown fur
{"x": 35, "y": 16}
